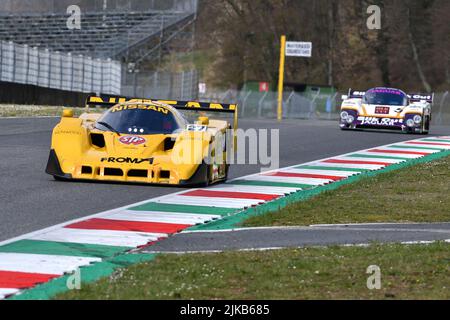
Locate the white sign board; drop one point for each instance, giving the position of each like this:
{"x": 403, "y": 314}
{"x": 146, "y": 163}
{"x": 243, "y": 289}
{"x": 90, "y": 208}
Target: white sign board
{"x": 299, "y": 49}
{"x": 202, "y": 88}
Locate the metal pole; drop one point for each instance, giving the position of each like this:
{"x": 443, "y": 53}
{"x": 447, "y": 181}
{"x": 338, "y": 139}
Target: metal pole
{"x": 1, "y": 60}
{"x": 441, "y": 106}
{"x": 244, "y": 103}
{"x": 161, "y": 38}
{"x": 288, "y": 102}
{"x": 260, "y": 103}
{"x": 105, "y": 7}
{"x": 182, "y": 85}
{"x": 281, "y": 77}
{"x": 135, "y": 83}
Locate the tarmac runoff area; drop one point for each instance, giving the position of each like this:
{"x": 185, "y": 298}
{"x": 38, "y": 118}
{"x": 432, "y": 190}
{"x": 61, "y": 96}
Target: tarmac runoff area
{"x": 296, "y": 237}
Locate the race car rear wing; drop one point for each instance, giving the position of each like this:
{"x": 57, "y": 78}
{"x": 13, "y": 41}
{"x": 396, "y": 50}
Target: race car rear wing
{"x": 419, "y": 97}
{"x": 356, "y": 94}
{"x": 108, "y": 101}
{"x": 413, "y": 97}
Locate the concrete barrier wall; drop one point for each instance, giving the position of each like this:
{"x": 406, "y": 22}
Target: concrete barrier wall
{"x": 27, "y": 94}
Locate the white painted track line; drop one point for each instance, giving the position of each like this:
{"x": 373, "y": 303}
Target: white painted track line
{"x": 314, "y": 182}
{"x": 381, "y": 160}
{"x": 350, "y": 165}
{"x": 343, "y": 174}
{"x": 142, "y": 216}
{"x": 41, "y": 263}
{"x": 254, "y": 189}
{"x": 100, "y": 237}
{"x": 4, "y": 292}
{"x": 211, "y": 202}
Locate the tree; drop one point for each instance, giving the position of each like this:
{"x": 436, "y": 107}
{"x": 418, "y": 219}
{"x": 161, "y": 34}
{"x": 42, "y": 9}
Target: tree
{"x": 410, "y": 51}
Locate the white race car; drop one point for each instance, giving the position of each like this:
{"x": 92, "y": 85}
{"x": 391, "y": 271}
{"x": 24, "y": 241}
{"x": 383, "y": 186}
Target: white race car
{"x": 386, "y": 108}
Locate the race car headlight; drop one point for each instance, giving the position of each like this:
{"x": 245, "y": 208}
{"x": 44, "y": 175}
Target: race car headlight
{"x": 410, "y": 123}
{"x": 417, "y": 119}
{"x": 350, "y": 119}
{"x": 344, "y": 115}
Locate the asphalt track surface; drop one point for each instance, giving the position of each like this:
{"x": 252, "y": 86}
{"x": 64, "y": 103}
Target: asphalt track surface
{"x": 275, "y": 238}
{"x": 31, "y": 200}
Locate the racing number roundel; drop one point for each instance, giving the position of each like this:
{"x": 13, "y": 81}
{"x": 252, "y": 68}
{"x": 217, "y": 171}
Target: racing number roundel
{"x": 132, "y": 140}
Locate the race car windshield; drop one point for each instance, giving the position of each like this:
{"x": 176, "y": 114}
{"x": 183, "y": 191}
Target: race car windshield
{"x": 385, "y": 97}
{"x": 145, "y": 120}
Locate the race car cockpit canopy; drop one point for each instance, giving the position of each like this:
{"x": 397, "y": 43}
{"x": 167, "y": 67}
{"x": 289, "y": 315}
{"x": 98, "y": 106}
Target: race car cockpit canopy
{"x": 385, "y": 96}
{"x": 146, "y": 119}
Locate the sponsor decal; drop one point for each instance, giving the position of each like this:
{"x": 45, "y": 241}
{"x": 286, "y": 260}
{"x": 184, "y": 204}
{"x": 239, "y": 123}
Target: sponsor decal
{"x": 132, "y": 140}
{"x": 357, "y": 94}
{"x": 380, "y": 121}
{"x": 127, "y": 160}
{"x": 382, "y": 110}
{"x": 140, "y": 107}
{"x": 68, "y": 132}
{"x": 196, "y": 128}
{"x": 420, "y": 97}
{"x": 388, "y": 91}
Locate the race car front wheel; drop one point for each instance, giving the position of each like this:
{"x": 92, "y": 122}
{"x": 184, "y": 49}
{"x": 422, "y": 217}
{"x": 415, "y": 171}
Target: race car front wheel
{"x": 208, "y": 177}
{"x": 426, "y": 128}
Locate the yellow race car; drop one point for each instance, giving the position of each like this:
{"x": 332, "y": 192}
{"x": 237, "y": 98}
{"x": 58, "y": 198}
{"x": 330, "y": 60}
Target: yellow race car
{"x": 144, "y": 141}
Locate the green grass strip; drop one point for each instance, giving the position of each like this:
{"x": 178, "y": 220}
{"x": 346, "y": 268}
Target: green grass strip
{"x": 270, "y": 184}
{"x": 88, "y": 275}
{"x": 332, "y": 168}
{"x": 62, "y": 249}
{"x": 356, "y": 155}
{"x": 333, "y": 273}
{"x": 181, "y": 208}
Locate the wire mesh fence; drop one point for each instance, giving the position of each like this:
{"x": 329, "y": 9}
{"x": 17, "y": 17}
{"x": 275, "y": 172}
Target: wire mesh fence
{"x": 44, "y": 68}
{"x": 441, "y": 109}
{"x": 60, "y": 6}
{"x": 298, "y": 105}
{"x": 161, "y": 85}
{"x": 264, "y": 104}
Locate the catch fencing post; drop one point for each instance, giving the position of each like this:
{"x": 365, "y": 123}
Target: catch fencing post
{"x": 288, "y": 101}
{"x": 260, "y": 103}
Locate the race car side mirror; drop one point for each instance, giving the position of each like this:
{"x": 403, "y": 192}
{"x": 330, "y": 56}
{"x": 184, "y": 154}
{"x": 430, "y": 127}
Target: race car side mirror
{"x": 67, "y": 113}
{"x": 203, "y": 121}
{"x": 344, "y": 97}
